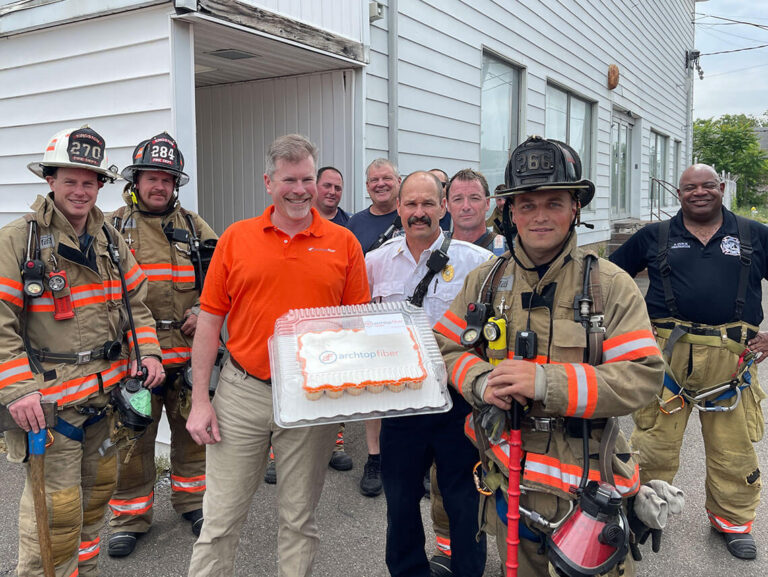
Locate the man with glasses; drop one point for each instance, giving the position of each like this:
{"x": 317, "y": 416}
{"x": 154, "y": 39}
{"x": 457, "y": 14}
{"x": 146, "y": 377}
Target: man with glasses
{"x": 705, "y": 268}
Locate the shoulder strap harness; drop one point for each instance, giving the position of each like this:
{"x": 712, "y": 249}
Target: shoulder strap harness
{"x": 436, "y": 262}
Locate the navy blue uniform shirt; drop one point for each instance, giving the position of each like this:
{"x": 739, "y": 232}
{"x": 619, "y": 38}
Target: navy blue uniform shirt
{"x": 704, "y": 279}
{"x": 341, "y": 218}
{"x": 367, "y": 227}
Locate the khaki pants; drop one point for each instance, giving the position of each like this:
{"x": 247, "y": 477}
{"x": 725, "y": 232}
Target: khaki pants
{"x": 531, "y": 562}
{"x": 133, "y": 499}
{"x": 235, "y": 468}
{"x": 78, "y": 484}
{"x": 733, "y": 479}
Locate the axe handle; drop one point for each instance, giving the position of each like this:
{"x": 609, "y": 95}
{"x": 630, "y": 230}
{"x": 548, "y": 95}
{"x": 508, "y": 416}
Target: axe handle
{"x": 37, "y": 483}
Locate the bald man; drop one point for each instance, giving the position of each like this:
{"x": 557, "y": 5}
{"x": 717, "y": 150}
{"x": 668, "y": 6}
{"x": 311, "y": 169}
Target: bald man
{"x": 705, "y": 267}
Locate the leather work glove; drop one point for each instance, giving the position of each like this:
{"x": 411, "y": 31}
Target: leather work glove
{"x": 493, "y": 420}
{"x": 648, "y": 512}
{"x": 640, "y": 532}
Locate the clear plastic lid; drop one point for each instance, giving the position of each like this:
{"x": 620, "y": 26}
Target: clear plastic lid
{"x": 358, "y": 362}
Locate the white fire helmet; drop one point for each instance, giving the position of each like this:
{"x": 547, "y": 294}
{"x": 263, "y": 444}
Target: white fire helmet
{"x": 76, "y": 148}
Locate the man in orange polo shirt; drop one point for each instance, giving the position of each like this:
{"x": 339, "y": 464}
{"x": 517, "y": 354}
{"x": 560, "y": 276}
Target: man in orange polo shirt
{"x": 287, "y": 258}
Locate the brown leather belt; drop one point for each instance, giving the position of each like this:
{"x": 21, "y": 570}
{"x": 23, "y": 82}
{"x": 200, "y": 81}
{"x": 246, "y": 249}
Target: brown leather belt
{"x": 239, "y": 367}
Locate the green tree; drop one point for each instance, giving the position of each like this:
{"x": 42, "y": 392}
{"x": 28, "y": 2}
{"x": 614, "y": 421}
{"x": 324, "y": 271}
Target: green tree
{"x": 729, "y": 143}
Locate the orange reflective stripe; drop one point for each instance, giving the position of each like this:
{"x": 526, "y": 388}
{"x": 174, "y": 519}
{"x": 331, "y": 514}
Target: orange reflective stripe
{"x": 144, "y": 335}
{"x": 451, "y": 327}
{"x": 75, "y": 573}
{"x": 88, "y": 549}
{"x": 136, "y": 506}
{"x": 726, "y": 526}
{"x": 176, "y": 355}
{"x": 188, "y": 484}
{"x": 82, "y": 387}
{"x": 11, "y": 291}
{"x": 14, "y": 371}
{"x": 460, "y": 368}
{"x": 550, "y": 471}
{"x": 582, "y": 390}
{"x": 630, "y": 346}
{"x": 134, "y": 277}
{"x": 444, "y": 545}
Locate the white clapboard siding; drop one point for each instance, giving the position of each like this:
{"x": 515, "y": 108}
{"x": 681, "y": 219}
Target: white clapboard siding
{"x": 112, "y": 73}
{"x": 570, "y": 44}
{"x": 237, "y": 122}
{"x": 342, "y": 17}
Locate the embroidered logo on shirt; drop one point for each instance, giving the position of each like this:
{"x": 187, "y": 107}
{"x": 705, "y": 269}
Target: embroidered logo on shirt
{"x": 682, "y": 244}
{"x": 311, "y": 248}
{"x": 731, "y": 246}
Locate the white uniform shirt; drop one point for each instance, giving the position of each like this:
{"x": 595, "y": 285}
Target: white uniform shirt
{"x": 393, "y": 274}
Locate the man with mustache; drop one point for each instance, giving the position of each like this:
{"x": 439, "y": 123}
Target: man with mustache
{"x": 705, "y": 268}
{"x": 395, "y": 273}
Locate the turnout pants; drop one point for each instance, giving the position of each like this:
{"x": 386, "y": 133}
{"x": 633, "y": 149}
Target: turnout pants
{"x": 235, "y": 469}
{"x": 132, "y": 503}
{"x": 440, "y": 523}
{"x": 408, "y": 447}
{"x": 78, "y": 484}
{"x": 733, "y": 478}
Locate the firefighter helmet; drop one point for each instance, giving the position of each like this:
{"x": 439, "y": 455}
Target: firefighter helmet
{"x": 76, "y": 148}
{"x": 157, "y": 153}
{"x": 540, "y": 163}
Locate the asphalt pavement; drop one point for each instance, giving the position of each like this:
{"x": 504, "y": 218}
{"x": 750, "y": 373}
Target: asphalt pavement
{"x": 353, "y": 527}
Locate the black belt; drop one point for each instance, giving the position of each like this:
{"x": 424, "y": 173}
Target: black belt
{"x": 110, "y": 351}
{"x": 239, "y": 367}
{"x": 570, "y": 425}
{"x": 733, "y": 333}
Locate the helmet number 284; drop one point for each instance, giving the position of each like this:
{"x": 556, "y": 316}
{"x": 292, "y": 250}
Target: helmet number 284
{"x": 162, "y": 152}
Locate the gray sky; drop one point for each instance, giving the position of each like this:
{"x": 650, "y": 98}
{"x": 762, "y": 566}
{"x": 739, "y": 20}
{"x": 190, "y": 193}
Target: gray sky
{"x": 737, "y": 82}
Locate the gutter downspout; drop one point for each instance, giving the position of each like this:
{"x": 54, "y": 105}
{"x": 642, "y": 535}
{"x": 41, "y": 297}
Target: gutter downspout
{"x": 393, "y": 116}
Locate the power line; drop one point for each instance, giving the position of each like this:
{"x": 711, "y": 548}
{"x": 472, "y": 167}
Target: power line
{"x": 761, "y": 26}
{"x": 734, "y": 71}
{"x": 736, "y": 50}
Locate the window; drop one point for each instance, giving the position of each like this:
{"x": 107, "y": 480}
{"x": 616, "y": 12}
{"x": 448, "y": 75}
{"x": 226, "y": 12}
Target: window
{"x": 499, "y": 117}
{"x": 657, "y": 168}
{"x": 569, "y": 119}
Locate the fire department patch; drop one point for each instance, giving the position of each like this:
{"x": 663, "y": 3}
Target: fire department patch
{"x": 731, "y": 246}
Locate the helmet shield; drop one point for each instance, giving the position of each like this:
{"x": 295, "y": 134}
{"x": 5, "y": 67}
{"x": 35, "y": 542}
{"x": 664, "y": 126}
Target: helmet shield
{"x": 158, "y": 153}
{"x": 76, "y": 148}
{"x": 539, "y": 164}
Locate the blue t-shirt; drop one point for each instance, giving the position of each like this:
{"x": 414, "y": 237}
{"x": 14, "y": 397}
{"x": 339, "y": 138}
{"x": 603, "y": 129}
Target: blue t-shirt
{"x": 341, "y": 218}
{"x": 367, "y": 227}
{"x": 704, "y": 279}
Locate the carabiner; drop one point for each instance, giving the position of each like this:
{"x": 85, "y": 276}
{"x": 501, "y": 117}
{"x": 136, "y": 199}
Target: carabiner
{"x": 480, "y": 485}
{"x": 663, "y": 404}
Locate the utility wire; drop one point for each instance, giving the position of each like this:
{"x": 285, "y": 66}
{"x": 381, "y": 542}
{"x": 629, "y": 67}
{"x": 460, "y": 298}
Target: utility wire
{"x": 762, "y": 26}
{"x": 736, "y": 50}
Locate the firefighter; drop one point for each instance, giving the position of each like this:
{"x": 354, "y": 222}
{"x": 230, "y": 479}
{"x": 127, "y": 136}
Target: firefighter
{"x": 63, "y": 339}
{"x": 163, "y": 237}
{"x": 705, "y": 268}
{"x": 533, "y": 290}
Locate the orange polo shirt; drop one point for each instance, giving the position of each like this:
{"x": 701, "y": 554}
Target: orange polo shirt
{"x": 258, "y": 273}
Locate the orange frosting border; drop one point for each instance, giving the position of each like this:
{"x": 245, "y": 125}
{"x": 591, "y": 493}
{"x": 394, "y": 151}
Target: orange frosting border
{"x": 363, "y": 384}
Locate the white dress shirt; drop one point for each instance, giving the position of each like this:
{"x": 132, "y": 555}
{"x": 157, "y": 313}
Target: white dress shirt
{"x": 393, "y": 274}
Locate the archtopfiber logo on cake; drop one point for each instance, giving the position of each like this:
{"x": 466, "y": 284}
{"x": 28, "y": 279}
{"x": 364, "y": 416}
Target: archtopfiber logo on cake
{"x": 329, "y": 357}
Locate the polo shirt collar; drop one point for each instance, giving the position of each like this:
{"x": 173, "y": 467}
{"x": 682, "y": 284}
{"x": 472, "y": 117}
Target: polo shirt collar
{"x": 316, "y": 228}
{"x": 728, "y": 225}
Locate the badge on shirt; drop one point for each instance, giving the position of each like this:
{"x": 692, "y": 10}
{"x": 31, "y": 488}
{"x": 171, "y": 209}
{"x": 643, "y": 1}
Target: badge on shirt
{"x": 681, "y": 244}
{"x": 731, "y": 246}
{"x": 448, "y": 273}
{"x": 46, "y": 241}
